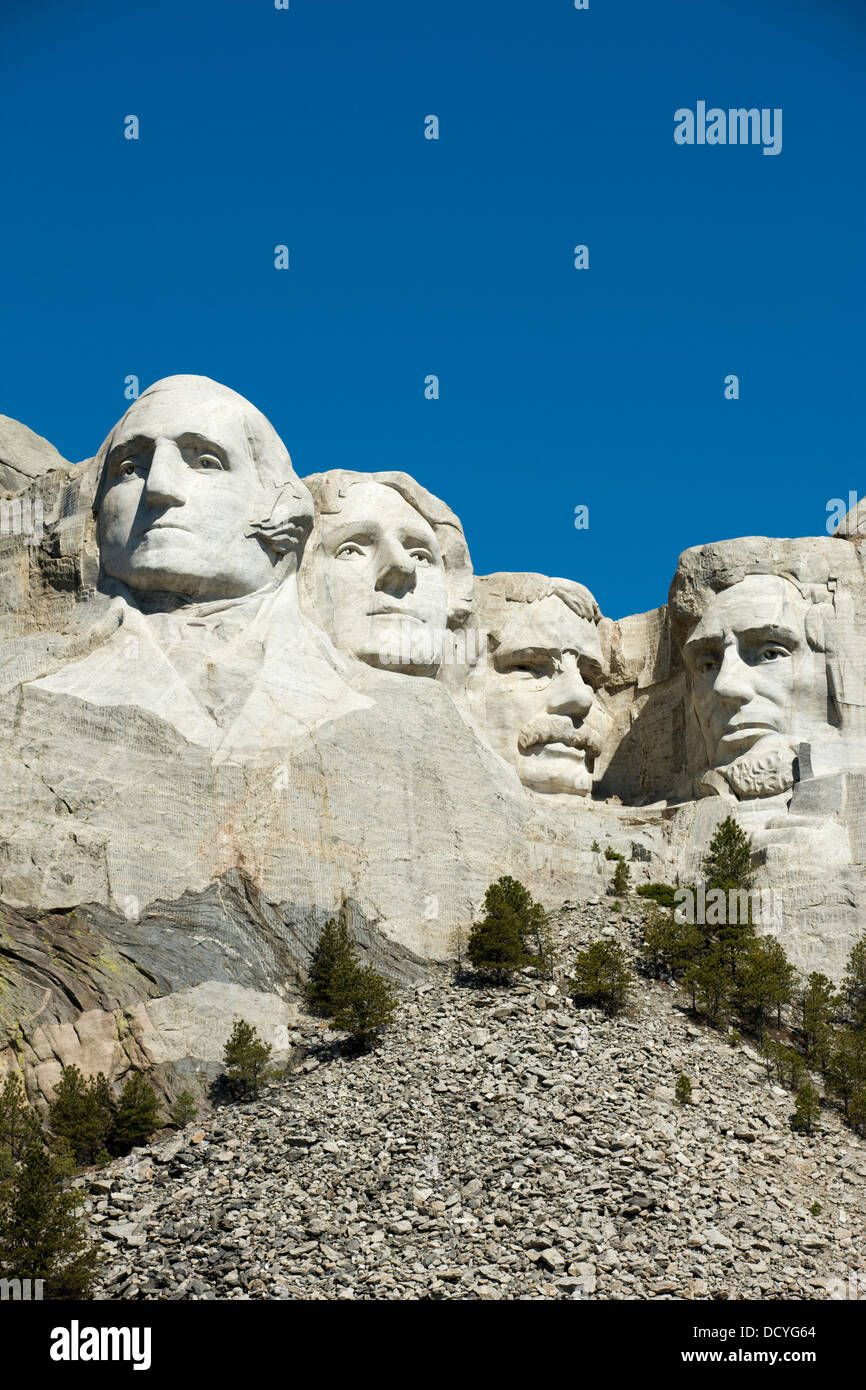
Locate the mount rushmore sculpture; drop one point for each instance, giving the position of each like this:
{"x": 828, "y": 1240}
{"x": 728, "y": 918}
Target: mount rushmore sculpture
{"x": 235, "y": 701}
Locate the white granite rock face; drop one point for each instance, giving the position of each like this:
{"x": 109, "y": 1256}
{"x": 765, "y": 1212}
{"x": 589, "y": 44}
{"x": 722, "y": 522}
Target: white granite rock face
{"x": 220, "y": 683}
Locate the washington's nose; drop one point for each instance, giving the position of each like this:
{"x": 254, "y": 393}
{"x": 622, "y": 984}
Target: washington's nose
{"x": 733, "y": 685}
{"x": 396, "y": 569}
{"x": 569, "y": 692}
{"x": 166, "y": 477}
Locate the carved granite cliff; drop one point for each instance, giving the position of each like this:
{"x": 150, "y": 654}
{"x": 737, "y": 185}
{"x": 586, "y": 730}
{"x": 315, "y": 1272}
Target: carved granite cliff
{"x": 234, "y": 701}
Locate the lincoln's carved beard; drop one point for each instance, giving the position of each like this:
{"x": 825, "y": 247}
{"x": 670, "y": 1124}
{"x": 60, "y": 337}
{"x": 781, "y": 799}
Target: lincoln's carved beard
{"x": 766, "y": 770}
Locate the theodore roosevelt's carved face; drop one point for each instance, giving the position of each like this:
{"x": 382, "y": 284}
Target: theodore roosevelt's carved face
{"x": 756, "y": 682}
{"x": 380, "y": 580}
{"x": 179, "y": 493}
{"x": 543, "y": 710}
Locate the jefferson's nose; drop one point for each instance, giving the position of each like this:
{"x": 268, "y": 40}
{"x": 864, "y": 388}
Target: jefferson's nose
{"x": 396, "y": 568}
{"x": 166, "y": 477}
{"x": 569, "y": 692}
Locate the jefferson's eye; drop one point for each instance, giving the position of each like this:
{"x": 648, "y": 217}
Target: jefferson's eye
{"x": 349, "y": 551}
{"x": 423, "y": 557}
{"x": 771, "y": 654}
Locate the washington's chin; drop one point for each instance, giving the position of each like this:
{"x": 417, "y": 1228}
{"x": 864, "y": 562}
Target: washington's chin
{"x": 176, "y": 579}
{"x": 556, "y": 768}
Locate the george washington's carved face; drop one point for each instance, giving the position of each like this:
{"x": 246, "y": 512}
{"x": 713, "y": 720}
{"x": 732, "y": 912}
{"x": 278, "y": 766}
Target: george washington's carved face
{"x": 179, "y": 494}
{"x": 380, "y": 580}
{"x": 756, "y": 682}
{"x": 544, "y": 715}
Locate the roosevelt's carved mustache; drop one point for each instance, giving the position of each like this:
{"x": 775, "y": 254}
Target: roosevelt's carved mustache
{"x": 558, "y": 728}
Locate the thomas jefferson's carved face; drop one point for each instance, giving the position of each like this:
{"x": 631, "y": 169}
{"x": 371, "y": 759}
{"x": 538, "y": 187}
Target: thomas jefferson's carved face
{"x": 179, "y": 495}
{"x": 543, "y": 711}
{"x": 380, "y": 580}
{"x": 756, "y": 682}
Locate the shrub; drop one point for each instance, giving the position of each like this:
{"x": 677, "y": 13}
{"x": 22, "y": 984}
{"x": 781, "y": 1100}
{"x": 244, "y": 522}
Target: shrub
{"x": 334, "y": 951}
{"x": 807, "y": 1109}
{"x": 183, "y": 1109}
{"x": 661, "y": 893}
{"x": 137, "y": 1115}
{"x": 612, "y": 853}
{"x": 595, "y": 847}
{"x": 42, "y": 1234}
{"x": 683, "y": 1089}
{"x": 245, "y": 1059}
{"x": 364, "y": 1004}
{"x": 816, "y": 1209}
{"x": 601, "y": 977}
{"x": 82, "y": 1113}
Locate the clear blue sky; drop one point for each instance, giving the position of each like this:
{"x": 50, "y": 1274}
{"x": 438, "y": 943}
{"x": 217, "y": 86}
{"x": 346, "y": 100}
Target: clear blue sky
{"x": 409, "y": 256}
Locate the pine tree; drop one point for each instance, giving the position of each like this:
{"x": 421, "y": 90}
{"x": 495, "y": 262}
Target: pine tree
{"x": 183, "y": 1110}
{"x": 513, "y": 933}
{"x": 854, "y": 985}
{"x": 620, "y": 884}
{"x": 245, "y": 1058}
{"x": 807, "y": 1109}
{"x": 42, "y": 1234}
{"x": 817, "y": 1005}
{"x": 669, "y": 945}
{"x": 846, "y": 1064}
{"x": 137, "y": 1115}
{"x": 709, "y": 982}
{"x": 335, "y": 949}
{"x": 601, "y": 977}
{"x": 82, "y": 1113}
{"x": 765, "y": 979}
{"x": 364, "y": 1004}
{"x": 728, "y": 861}
{"x": 19, "y": 1127}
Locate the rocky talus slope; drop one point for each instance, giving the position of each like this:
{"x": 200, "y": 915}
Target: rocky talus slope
{"x": 500, "y": 1144}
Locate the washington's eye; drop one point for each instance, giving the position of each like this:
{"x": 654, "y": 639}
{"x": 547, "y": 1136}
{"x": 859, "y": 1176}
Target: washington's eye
{"x": 127, "y": 467}
{"x": 209, "y": 461}
{"x": 708, "y": 665}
